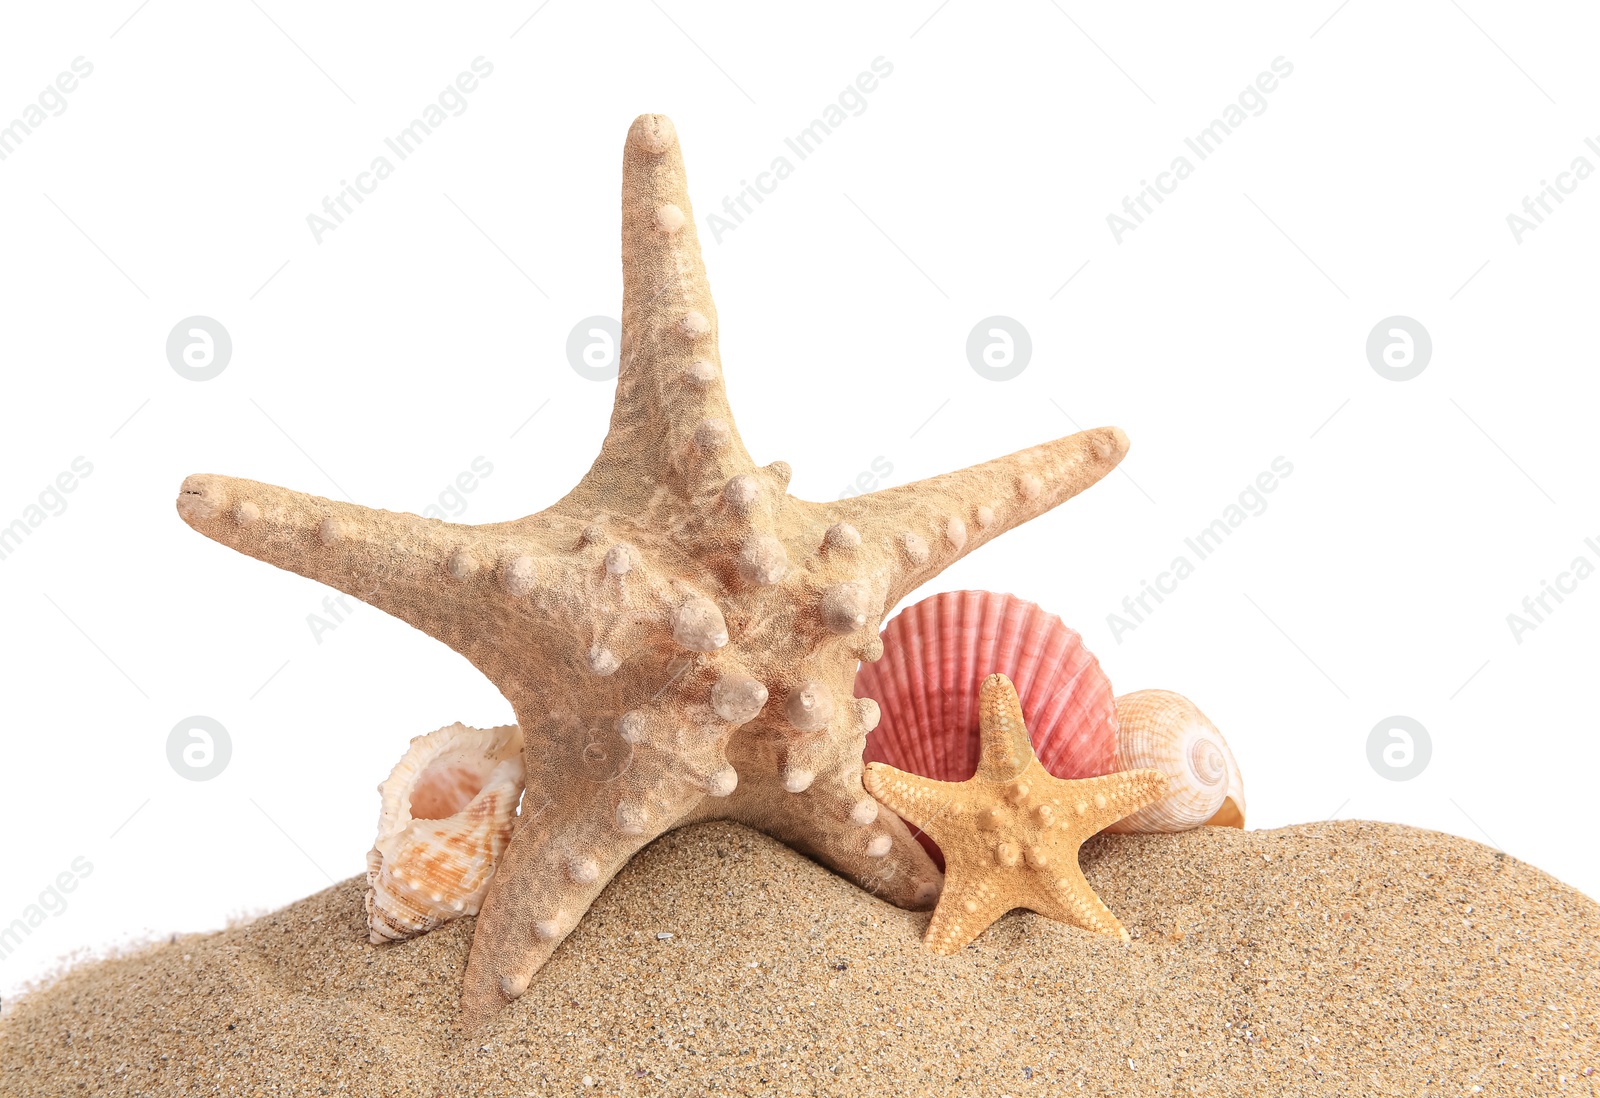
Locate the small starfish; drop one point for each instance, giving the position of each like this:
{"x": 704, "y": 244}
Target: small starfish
{"x": 1010, "y": 833}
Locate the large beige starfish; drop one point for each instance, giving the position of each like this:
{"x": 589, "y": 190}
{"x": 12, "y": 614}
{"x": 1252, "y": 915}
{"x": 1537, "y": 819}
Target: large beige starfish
{"x": 1010, "y": 833}
{"x": 677, "y": 635}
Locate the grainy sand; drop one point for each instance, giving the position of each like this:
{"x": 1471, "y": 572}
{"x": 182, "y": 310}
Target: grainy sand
{"x": 1343, "y": 959}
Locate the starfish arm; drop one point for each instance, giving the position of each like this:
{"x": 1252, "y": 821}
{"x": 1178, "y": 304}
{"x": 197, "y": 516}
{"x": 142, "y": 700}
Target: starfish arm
{"x": 1005, "y": 748}
{"x": 929, "y": 804}
{"x": 1068, "y": 898}
{"x": 605, "y": 776}
{"x": 966, "y": 909}
{"x": 935, "y": 522}
{"x": 559, "y": 860}
{"x": 458, "y": 584}
{"x": 671, "y": 424}
{"x": 1097, "y": 803}
{"x": 834, "y": 821}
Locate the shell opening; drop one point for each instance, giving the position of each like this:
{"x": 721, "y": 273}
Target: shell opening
{"x": 443, "y": 789}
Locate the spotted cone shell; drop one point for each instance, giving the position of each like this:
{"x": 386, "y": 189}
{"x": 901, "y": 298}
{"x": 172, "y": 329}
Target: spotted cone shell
{"x": 449, "y": 807}
{"x": 937, "y": 653}
{"x": 1167, "y": 732}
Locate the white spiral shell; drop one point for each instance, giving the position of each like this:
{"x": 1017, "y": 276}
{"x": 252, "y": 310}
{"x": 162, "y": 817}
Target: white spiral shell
{"x": 1165, "y": 731}
{"x": 449, "y": 808}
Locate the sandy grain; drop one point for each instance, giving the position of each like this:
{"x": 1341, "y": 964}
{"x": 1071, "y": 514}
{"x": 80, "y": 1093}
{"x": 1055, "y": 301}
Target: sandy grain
{"x": 1343, "y": 959}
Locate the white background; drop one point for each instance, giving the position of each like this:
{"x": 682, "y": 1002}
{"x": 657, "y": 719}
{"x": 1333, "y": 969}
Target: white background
{"x": 1227, "y": 330}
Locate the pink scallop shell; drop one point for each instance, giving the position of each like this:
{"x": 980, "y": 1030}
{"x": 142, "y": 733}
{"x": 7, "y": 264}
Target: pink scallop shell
{"x": 935, "y": 655}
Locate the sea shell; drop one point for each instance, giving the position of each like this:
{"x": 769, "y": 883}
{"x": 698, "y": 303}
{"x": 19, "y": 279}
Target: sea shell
{"x": 1231, "y": 814}
{"x": 449, "y": 808}
{"x": 936, "y": 655}
{"x": 1167, "y": 732}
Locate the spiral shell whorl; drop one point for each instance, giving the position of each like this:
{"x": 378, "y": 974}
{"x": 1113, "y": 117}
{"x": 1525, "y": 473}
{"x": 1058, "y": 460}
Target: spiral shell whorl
{"x": 1162, "y": 730}
{"x": 1206, "y": 762}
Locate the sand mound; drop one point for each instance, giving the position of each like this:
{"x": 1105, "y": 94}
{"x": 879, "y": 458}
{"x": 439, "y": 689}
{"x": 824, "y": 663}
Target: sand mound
{"x": 1345, "y": 958}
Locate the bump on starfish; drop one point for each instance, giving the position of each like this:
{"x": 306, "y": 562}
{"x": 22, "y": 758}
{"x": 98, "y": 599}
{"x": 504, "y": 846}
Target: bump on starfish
{"x": 655, "y": 684}
{"x": 1010, "y": 833}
